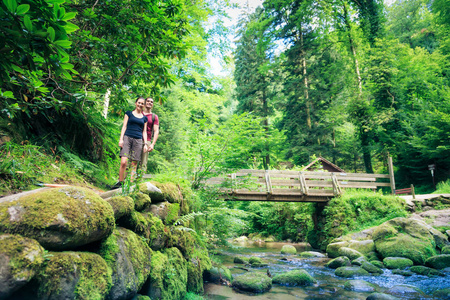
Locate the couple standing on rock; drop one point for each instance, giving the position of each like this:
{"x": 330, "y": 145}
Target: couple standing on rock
{"x": 136, "y": 137}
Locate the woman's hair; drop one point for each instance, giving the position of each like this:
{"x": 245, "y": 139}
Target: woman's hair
{"x": 139, "y": 98}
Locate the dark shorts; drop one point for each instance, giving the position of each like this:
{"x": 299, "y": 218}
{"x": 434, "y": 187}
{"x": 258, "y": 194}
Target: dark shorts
{"x": 132, "y": 148}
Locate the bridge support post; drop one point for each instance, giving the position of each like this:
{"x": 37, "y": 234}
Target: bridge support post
{"x": 391, "y": 174}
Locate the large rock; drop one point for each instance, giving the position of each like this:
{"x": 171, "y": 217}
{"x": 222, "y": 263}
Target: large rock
{"x": 359, "y": 286}
{"x": 253, "y": 283}
{"x": 371, "y": 268}
{"x": 381, "y": 296}
{"x": 128, "y": 258}
{"x": 312, "y": 254}
{"x": 364, "y": 247}
{"x": 410, "y": 238}
{"x": 73, "y": 275}
{"x": 147, "y": 226}
{"x": 350, "y": 272}
{"x": 160, "y": 210}
{"x": 350, "y": 253}
{"x": 406, "y": 291}
{"x": 333, "y": 248}
{"x": 288, "y": 249}
{"x": 341, "y": 261}
{"x": 168, "y": 276}
{"x": 422, "y": 270}
{"x": 58, "y": 218}
{"x": 294, "y": 278}
{"x": 218, "y": 274}
{"x": 141, "y": 201}
{"x": 20, "y": 259}
{"x": 439, "y": 261}
{"x": 121, "y": 205}
{"x": 169, "y": 191}
{"x": 397, "y": 262}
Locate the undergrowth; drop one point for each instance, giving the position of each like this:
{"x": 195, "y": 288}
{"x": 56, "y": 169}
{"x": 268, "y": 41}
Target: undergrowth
{"x": 443, "y": 187}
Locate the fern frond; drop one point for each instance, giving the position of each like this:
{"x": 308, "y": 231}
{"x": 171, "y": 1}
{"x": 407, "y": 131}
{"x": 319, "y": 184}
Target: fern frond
{"x": 186, "y": 218}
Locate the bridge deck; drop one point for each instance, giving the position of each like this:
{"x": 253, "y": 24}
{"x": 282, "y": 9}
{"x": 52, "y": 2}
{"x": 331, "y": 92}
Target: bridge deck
{"x": 292, "y": 186}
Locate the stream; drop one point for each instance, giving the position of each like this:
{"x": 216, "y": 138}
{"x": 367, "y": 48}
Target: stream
{"x": 328, "y": 285}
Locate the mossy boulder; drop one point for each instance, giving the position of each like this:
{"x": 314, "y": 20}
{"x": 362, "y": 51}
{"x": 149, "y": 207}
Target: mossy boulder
{"x": 169, "y": 192}
{"x": 350, "y": 272}
{"x": 20, "y": 259}
{"x": 341, "y": 261}
{"x": 377, "y": 263}
{"x": 402, "y": 237}
{"x": 381, "y": 296}
{"x": 252, "y": 282}
{"x": 256, "y": 262}
{"x": 160, "y": 210}
{"x": 288, "y": 249}
{"x": 359, "y": 261}
{"x": 359, "y": 286}
{"x": 364, "y": 247}
{"x": 350, "y": 253}
{"x": 128, "y": 258}
{"x": 312, "y": 254}
{"x": 442, "y": 294}
{"x": 121, "y": 205}
{"x": 58, "y": 218}
{"x": 333, "y": 248}
{"x": 218, "y": 274}
{"x": 147, "y": 226}
{"x": 240, "y": 260}
{"x": 422, "y": 270}
{"x": 397, "y": 262}
{"x": 439, "y": 261}
{"x": 294, "y": 278}
{"x": 369, "y": 267}
{"x": 73, "y": 275}
{"x": 168, "y": 276}
{"x": 141, "y": 201}
{"x": 445, "y": 250}
{"x": 406, "y": 291}
{"x": 402, "y": 272}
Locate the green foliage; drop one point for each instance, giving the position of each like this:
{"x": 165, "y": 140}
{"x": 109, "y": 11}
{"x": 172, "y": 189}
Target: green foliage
{"x": 443, "y": 187}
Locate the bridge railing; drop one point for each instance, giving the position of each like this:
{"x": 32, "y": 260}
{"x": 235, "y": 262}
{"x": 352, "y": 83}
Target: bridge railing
{"x": 284, "y": 185}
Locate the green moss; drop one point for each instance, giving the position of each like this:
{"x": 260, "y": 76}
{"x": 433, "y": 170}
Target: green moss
{"x": 141, "y": 201}
{"x": 350, "y": 272}
{"x": 77, "y": 275}
{"x": 122, "y": 205}
{"x": 439, "y": 261}
{"x": 288, "y": 249}
{"x": 78, "y": 213}
{"x": 294, "y": 278}
{"x": 253, "y": 282}
{"x": 397, "y": 262}
{"x": 147, "y": 226}
{"x": 341, "y": 261}
{"x": 169, "y": 192}
{"x": 168, "y": 277}
{"x": 24, "y": 256}
{"x": 422, "y": 270}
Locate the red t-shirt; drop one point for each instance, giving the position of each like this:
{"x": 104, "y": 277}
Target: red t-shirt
{"x": 150, "y": 125}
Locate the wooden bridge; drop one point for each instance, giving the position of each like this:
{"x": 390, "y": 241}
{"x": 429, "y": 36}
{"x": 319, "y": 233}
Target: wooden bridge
{"x": 295, "y": 186}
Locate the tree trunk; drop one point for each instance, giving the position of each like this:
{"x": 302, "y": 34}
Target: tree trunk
{"x": 266, "y": 127}
{"x": 305, "y": 80}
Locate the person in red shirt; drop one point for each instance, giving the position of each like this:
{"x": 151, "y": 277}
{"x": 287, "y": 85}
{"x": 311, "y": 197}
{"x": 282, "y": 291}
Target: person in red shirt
{"x": 152, "y": 130}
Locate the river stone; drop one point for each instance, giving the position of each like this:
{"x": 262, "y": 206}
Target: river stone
{"x": 241, "y": 239}
{"x": 359, "y": 286}
{"x": 217, "y": 274}
{"x": 402, "y": 237}
{"x": 20, "y": 259}
{"x": 371, "y": 268}
{"x": 252, "y": 282}
{"x": 442, "y": 294}
{"x": 439, "y": 261}
{"x": 294, "y": 278}
{"x": 256, "y": 262}
{"x": 73, "y": 275}
{"x": 422, "y": 270}
{"x": 350, "y": 253}
{"x": 341, "y": 261}
{"x": 359, "y": 261}
{"x": 363, "y": 247}
{"x": 397, "y": 262}
{"x": 372, "y": 256}
{"x": 350, "y": 272}
{"x": 377, "y": 263}
{"x": 311, "y": 254}
{"x": 445, "y": 250}
{"x": 151, "y": 189}
{"x": 402, "y": 272}
{"x": 59, "y": 218}
{"x": 288, "y": 249}
{"x": 333, "y": 249}
{"x": 128, "y": 257}
{"x": 141, "y": 201}
{"x": 159, "y": 210}
{"x": 121, "y": 205}
{"x": 381, "y": 296}
{"x": 240, "y": 260}
{"x": 168, "y": 275}
{"x": 405, "y": 290}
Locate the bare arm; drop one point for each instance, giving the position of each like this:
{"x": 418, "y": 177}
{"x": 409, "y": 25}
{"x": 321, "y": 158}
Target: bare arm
{"x": 124, "y": 128}
{"x": 144, "y": 136}
{"x": 155, "y": 137}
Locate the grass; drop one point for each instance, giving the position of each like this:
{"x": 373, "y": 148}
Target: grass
{"x": 443, "y": 187}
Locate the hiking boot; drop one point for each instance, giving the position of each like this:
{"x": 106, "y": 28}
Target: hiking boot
{"x": 117, "y": 185}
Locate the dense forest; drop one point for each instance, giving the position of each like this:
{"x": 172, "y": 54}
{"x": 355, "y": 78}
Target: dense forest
{"x": 351, "y": 81}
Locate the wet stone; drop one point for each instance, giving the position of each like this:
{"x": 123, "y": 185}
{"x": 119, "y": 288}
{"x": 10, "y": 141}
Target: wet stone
{"x": 359, "y": 286}
{"x": 341, "y": 261}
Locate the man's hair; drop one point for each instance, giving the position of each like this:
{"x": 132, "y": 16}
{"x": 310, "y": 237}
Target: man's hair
{"x": 139, "y": 98}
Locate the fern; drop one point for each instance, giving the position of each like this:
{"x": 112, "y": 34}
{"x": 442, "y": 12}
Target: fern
{"x": 186, "y": 218}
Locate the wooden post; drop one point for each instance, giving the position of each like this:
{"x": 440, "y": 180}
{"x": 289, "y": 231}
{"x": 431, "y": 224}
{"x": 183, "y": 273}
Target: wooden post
{"x": 268, "y": 183}
{"x": 336, "y": 188}
{"x": 391, "y": 174}
{"x": 303, "y": 186}
{"x": 233, "y": 183}
{"x": 413, "y": 192}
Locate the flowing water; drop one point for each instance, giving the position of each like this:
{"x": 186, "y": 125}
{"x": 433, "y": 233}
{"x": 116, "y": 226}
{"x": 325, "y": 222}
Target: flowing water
{"x": 328, "y": 285}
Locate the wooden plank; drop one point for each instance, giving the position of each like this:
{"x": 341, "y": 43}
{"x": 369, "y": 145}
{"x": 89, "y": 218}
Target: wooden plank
{"x": 268, "y": 183}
